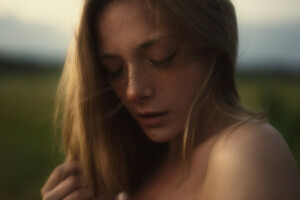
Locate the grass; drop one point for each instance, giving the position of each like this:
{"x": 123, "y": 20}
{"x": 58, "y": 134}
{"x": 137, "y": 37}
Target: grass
{"x": 26, "y": 110}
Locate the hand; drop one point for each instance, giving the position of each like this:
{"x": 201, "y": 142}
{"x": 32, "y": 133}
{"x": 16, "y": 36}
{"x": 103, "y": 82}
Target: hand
{"x": 66, "y": 183}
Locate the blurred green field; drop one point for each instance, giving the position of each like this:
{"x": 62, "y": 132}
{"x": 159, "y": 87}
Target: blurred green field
{"x": 26, "y": 145}
{"x": 27, "y": 149}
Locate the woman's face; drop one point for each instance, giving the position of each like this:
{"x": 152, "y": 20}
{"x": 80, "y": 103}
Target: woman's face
{"x": 154, "y": 76}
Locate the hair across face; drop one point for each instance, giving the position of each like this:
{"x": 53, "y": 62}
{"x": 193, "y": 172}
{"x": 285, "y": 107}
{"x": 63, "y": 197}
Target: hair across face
{"x": 200, "y": 24}
{"x": 154, "y": 76}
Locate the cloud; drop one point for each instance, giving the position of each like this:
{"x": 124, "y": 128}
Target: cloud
{"x": 64, "y": 14}
{"x": 60, "y": 13}
{"x": 32, "y": 39}
{"x": 270, "y": 44}
{"x": 269, "y": 29}
{"x": 267, "y": 11}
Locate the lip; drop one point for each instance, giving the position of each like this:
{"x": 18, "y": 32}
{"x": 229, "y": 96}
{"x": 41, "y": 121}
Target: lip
{"x": 152, "y": 119}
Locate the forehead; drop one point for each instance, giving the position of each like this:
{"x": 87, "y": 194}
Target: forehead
{"x": 126, "y": 22}
{"x": 124, "y": 11}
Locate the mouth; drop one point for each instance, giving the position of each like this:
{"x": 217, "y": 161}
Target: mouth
{"x": 152, "y": 119}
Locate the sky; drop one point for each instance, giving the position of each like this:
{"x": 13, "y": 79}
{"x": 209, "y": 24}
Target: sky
{"x": 268, "y": 12}
{"x": 269, "y": 29}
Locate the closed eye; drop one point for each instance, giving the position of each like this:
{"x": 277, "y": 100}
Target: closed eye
{"x": 164, "y": 61}
{"x": 115, "y": 74}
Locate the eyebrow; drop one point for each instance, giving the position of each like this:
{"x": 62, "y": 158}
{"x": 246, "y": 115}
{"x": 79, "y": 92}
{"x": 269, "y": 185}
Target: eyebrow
{"x": 148, "y": 44}
{"x": 143, "y": 46}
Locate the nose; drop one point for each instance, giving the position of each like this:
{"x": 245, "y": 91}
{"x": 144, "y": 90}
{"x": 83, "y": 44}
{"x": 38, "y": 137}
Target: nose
{"x": 140, "y": 86}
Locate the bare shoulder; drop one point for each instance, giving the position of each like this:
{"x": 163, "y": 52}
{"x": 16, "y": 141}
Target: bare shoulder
{"x": 251, "y": 162}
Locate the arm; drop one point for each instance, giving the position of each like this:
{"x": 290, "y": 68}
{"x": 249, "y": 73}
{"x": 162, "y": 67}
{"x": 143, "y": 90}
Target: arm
{"x": 252, "y": 163}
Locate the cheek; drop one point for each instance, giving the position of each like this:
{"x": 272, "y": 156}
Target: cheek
{"x": 120, "y": 90}
{"x": 185, "y": 82}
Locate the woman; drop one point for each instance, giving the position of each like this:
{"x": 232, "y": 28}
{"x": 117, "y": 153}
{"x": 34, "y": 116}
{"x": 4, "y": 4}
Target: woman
{"x": 151, "y": 109}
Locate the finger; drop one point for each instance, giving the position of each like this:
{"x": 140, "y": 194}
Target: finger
{"x": 59, "y": 174}
{"x": 82, "y": 194}
{"x": 66, "y": 187}
{"x": 122, "y": 196}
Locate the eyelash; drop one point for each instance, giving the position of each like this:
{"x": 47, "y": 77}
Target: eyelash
{"x": 165, "y": 61}
{"x": 116, "y": 74}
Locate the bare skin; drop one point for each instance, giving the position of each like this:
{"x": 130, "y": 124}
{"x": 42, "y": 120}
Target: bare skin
{"x": 244, "y": 163}
{"x": 228, "y": 163}
{"x": 66, "y": 182}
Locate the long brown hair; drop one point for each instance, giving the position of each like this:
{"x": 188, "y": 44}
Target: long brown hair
{"x": 100, "y": 133}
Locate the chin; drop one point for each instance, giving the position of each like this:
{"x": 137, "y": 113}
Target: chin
{"x": 161, "y": 135}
